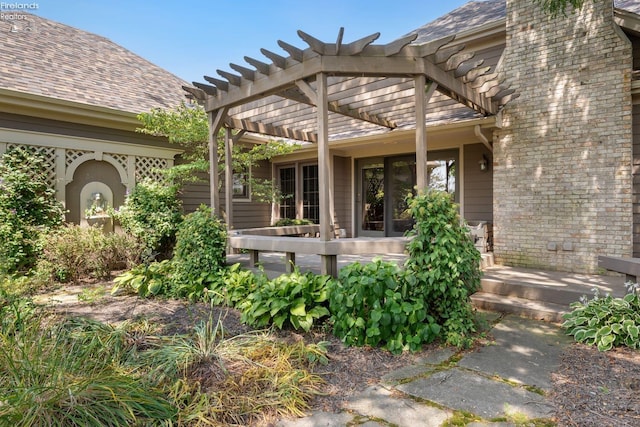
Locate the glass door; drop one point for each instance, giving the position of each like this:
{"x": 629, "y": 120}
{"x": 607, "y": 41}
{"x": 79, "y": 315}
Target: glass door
{"x": 401, "y": 181}
{"x": 371, "y": 198}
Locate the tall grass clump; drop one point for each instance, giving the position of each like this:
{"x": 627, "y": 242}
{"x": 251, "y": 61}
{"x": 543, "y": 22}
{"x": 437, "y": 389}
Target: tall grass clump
{"x": 70, "y": 374}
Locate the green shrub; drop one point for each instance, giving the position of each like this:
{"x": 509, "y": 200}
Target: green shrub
{"x": 28, "y": 208}
{"x": 606, "y": 322}
{"x": 146, "y": 280}
{"x": 371, "y": 305}
{"x": 73, "y": 252}
{"x": 200, "y": 249}
{"x": 443, "y": 268}
{"x": 151, "y": 213}
{"x": 294, "y": 299}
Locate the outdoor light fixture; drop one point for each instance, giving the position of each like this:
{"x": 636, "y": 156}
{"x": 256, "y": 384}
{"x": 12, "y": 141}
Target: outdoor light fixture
{"x": 484, "y": 163}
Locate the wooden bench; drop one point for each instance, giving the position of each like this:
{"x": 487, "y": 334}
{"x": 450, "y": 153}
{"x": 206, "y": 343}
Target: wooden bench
{"x": 628, "y": 266}
{"x": 327, "y": 250}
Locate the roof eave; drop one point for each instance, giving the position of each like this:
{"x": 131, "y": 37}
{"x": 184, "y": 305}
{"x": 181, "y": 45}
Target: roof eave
{"x": 33, "y": 105}
{"x": 627, "y": 20}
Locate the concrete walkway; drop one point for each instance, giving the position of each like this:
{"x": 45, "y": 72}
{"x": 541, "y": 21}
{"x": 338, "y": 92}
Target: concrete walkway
{"x": 502, "y": 383}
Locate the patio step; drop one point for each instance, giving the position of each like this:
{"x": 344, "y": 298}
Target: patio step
{"x": 531, "y": 309}
{"x": 527, "y": 299}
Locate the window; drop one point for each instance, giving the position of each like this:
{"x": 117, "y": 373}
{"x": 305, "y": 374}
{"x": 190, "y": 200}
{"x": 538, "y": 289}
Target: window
{"x": 241, "y": 186}
{"x": 287, "y": 178}
{"x": 310, "y": 193}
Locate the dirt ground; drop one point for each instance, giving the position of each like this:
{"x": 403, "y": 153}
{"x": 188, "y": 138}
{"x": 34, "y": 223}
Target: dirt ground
{"x": 589, "y": 389}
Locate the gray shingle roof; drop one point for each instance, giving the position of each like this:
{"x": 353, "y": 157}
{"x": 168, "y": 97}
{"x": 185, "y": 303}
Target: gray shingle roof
{"x": 466, "y": 17}
{"x": 476, "y": 13}
{"x": 628, "y": 5}
{"x": 43, "y": 57}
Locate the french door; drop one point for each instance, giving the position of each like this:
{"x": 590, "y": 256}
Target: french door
{"x": 383, "y": 185}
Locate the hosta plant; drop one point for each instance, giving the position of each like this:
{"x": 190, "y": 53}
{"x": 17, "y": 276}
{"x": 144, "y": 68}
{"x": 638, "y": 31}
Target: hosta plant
{"x": 145, "y": 280}
{"x": 606, "y": 322}
{"x": 296, "y": 299}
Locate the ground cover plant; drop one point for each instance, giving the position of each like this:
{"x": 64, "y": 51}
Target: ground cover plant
{"x": 606, "y": 322}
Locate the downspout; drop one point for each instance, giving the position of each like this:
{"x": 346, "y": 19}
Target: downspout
{"x": 478, "y": 132}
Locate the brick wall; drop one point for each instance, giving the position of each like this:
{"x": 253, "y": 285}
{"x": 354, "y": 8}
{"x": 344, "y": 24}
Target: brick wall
{"x": 562, "y": 161}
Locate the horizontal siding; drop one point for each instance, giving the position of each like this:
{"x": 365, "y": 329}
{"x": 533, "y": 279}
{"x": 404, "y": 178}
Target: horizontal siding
{"x": 342, "y": 192}
{"x": 35, "y": 124}
{"x": 478, "y": 185}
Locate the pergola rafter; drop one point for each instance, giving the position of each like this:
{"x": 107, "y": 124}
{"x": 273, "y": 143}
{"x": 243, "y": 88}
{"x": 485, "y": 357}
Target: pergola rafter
{"x": 326, "y": 90}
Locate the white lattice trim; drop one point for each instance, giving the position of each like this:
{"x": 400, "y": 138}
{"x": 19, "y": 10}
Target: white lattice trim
{"x": 49, "y": 156}
{"x": 121, "y": 159}
{"x": 147, "y": 167}
{"x": 72, "y": 155}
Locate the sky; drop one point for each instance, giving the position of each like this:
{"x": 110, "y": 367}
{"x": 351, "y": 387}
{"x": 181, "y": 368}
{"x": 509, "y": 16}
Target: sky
{"x": 196, "y": 37}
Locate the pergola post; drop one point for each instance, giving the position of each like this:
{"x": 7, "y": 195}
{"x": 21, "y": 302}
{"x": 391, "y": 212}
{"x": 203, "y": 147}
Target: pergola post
{"x": 324, "y": 160}
{"x": 420, "y": 82}
{"x": 214, "y": 127}
{"x": 228, "y": 177}
{"x": 424, "y": 91}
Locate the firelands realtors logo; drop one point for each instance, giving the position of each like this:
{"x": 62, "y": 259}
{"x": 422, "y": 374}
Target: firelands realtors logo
{"x": 16, "y": 14}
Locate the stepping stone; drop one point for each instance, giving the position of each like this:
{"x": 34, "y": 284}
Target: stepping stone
{"x": 319, "y": 419}
{"x": 378, "y": 402}
{"x": 525, "y": 351}
{"x": 488, "y": 399}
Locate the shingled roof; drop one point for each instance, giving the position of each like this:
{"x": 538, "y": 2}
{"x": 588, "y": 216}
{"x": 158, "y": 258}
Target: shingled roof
{"x": 477, "y": 13}
{"x": 43, "y": 57}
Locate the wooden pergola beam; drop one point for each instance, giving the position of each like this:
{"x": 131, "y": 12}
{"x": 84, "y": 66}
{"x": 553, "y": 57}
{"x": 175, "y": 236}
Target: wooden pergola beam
{"x": 310, "y": 98}
{"x": 270, "y": 130}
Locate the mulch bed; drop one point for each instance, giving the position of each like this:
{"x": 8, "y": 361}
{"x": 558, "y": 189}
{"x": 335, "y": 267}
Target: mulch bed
{"x": 589, "y": 389}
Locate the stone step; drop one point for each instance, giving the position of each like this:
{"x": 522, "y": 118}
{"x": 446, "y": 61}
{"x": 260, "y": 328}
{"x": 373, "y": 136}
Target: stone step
{"x": 523, "y": 307}
{"x": 487, "y": 260}
{"x": 553, "y": 292}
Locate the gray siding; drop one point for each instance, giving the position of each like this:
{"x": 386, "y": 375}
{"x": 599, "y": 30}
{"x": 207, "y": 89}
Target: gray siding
{"x": 343, "y": 192}
{"x": 36, "y": 124}
{"x": 250, "y": 214}
{"x": 478, "y": 185}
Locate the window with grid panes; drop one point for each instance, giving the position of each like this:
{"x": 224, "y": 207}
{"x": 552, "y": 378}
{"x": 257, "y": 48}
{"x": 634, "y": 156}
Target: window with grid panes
{"x": 310, "y": 193}
{"x": 288, "y": 191}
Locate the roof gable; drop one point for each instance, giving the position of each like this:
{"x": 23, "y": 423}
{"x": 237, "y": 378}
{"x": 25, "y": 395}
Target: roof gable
{"x": 43, "y": 57}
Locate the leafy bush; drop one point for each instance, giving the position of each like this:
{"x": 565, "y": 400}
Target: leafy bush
{"x": 28, "y": 209}
{"x": 371, "y": 305}
{"x": 151, "y": 213}
{"x": 443, "y": 268}
{"x": 146, "y": 279}
{"x": 606, "y": 322}
{"x": 73, "y": 252}
{"x": 294, "y": 299}
{"x": 200, "y": 248}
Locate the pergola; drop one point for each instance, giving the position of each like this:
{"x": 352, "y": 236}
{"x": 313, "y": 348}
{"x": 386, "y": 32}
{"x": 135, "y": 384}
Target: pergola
{"x": 332, "y": 90}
